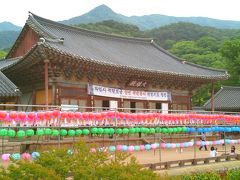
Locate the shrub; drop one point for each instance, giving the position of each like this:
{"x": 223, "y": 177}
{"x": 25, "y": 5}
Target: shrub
{"x": 233, "y": 174}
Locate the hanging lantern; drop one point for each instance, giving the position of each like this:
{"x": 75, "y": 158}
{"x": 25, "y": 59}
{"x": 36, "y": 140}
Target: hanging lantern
{"x": 56, "y": 113}
{"x": 40, "y": 115}
{"x": 77, "y": 115}
{"x": 22, "y": 116}
{"x": 48, "y": 115}
{"x": 13, "y": 115}
{"x": 31, "y": 115}
{"x": 3, "y": 115}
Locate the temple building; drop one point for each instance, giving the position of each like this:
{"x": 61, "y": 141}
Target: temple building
{"x": 55, "y": 64}
{"x": 226, "y": 99}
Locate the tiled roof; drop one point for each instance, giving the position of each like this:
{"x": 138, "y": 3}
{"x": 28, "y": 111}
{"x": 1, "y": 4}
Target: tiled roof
{"x": 227, "y": 98}
{"x": 5, "y": 63}
{"x": 7, "y": 88}
{"x": 136, "y": 53}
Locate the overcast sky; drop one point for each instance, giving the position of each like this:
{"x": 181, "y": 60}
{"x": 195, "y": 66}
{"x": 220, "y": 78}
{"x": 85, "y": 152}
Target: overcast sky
{"x": 16, "y": 11}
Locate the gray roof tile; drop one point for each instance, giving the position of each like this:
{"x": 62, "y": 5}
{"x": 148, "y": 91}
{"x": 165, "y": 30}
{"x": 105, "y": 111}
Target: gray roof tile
{"x": 141, "y": 54}
{"x": 7, "y": 88}
{"x": 227, "y": 98}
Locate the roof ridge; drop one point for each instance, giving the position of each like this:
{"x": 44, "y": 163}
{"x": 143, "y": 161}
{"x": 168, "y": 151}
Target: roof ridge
{"x": 89, "y": 32}
{"x": 230, "y": 87}
{"x": 39, "y": 26}
{"x": 184, "y": 61}
{"x": 215, "y": 96}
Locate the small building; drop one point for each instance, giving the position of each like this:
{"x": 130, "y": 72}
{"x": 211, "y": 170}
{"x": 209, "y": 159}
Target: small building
{"x": 59, "y": 64}
{"x": 226, "y": 99}
{"x": 9, "y": 92}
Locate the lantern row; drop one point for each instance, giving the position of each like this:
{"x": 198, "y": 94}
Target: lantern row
{"x": 153, "y": 146}
{"x": 125, "y": 148}
{"x": 110, "y": 117}
{"x": 110, "y": 131}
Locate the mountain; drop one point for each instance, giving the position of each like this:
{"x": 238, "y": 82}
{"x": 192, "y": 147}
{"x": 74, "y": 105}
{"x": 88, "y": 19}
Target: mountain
{"x": 7, "y": 26}
{"x": 98, "y": 14}
{"x": 7, "y": 38}
{"x": 103, "y": 12}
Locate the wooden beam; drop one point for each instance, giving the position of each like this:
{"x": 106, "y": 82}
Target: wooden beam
{"x": 46, "y": 81}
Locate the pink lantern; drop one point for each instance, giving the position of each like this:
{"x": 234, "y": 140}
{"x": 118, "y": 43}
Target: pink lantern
{"x": 181, "y": 145}
{"x": 93, "y": 150}
{"x": 26, "y": 156}
{"x": 153, "y": 146}
{"x": 55, "y": 113}
{"x": 163, "y": 145}
{"x": 6, "y": 157}
{"x": 110, "y": 114}
{"x": 238, "y": 141}
{"x": 119, "y": 147}
{"x": 77, "y": 115}
{"x": 3, "y": 115}
{"x": 22, "y": 115}
{"x": 214, "y": 142}
{"x": 207, "y": 143}
{"x": 198, "y": 143}
{"x": 130, "y": 148}
{"x": 231, "y": 141}
{"x": 85, "y": 115}
{"x": 98, "y": 116}
{"x": 40, "y": 115}
{"x": 64, "y": 115}
{"x": 142, "y": 147}
{"x": 173, "y": 145}
{"x": 121, "y": 115}
{"x": 222, "y": 141}
{"x": 70, "y": 115}
{"x": 91, "y": 115}
{"x": 31, "y": 115}
{"x": 48, "y": 115}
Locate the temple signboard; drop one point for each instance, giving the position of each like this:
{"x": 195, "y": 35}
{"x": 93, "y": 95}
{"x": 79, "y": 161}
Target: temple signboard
{"x": 128, "y": 94}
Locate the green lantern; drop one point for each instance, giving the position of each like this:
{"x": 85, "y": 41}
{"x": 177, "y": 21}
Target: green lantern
{"x": 157, "y": 129}
{"x": 137, "y": 129}
{"x": 40, "y": 132}
{"x": 170, "y": 130}
{"x": 142, "y": 129}
{"x": 164, "y": 130}
{"x": 94, "y": 130}
{"x": 85, "y": 132}
{"x": 30, "y": 132}
{"x": 106, "y": 131}
{"x": 3, "y": 132}
{"x": 11, "y": 133}
{"x": 179, "y": 129}
{"x": 184, "y": 129}
{"x": 132, "y": 130}
{"x": 78, "y": 132}
{"x": 63, "y": 132}
{"x": 125, "y": 130}
{"x": 111, "y": 131}
{"x": 48, "y": 131}
{"x": 175, "y": 130}
{"x": 55, "y": 132}
{"x": 100, "y": 131}
{"x": 21, "y": 134}
{"x": 71, "y": 132}
{"x": 152, "y": 130}
{"x": 119, "y": 131}
{"x": 147, "y": 130}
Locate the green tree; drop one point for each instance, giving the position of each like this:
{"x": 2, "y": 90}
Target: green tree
{"x": 231, "y": 51}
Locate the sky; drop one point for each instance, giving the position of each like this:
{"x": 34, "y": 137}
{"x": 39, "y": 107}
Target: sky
{"x": 16, "y": 11}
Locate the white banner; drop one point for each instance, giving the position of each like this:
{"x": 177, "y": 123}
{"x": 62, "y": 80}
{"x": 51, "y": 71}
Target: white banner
{"x": 128, "y": 94}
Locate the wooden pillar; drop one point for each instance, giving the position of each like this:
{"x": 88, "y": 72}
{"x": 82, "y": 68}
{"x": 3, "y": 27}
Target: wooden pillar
{"x": 46, "y": 81}
{"x": 212, "y": 100}
{"x": 54, "y": 94}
